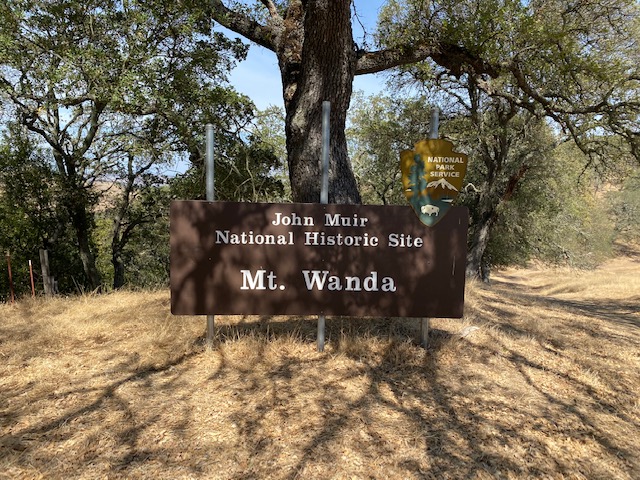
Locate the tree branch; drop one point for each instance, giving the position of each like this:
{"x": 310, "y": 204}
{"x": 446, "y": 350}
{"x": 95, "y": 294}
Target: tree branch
{"x": 265, "y": 36}
{"x": 545, "y": 100}
{"x": 380, "y": 60}
{"x": 456, "y": 59}
{"x": 273, "y": 11}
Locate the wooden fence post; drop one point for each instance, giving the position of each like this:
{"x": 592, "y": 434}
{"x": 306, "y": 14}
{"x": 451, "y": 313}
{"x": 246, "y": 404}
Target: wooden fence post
{"x": 8, "y": 256}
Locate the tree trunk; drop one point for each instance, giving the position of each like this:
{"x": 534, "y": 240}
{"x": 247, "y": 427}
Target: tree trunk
{"x": 77, "y": 204}
{"x": 81, "y": 226}
{"x": 118, "y": 242}
{"x": 326, "y": 75}
{"x": 118, "y": 270}
{"x": 477, "y": 264}
{"x": 47, "y": 278}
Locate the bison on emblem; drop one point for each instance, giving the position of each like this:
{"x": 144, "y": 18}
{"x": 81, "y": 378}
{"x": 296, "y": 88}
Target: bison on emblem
{"x": 430, "y": 209}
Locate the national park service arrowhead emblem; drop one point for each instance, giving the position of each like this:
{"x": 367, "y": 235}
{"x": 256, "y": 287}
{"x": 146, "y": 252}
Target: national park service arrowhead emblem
{"x": 432, "y": 175}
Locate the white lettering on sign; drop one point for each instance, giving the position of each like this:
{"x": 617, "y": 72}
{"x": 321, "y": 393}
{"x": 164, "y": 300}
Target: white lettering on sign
{"x": 439, "y": 173}
{"x": 249, "y": 238}
{"x": 322, "y": 239}
{"x": 403, "y": 240}
{"x": 445, "y": 159}
{"x": 257, "y": 281}
{"x": 338, "y": 220}
{"x": 321, "y": 279}
{"x": 293, "y": 219}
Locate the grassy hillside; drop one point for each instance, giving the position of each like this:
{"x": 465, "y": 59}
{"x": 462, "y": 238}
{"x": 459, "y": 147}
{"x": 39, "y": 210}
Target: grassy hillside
{"x": 547, "y": 385}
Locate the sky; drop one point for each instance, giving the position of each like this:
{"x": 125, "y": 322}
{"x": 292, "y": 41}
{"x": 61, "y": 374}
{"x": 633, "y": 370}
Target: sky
{"x": 258, "y": 76}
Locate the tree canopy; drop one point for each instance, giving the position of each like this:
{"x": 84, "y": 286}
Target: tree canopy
{"x": 113, "y": 88}
{"x": 573, "y": 62}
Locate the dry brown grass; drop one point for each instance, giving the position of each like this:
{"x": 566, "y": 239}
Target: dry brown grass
{"x": 113, "y": 386}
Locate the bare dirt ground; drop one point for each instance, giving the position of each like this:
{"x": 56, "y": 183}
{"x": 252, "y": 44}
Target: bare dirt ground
{"x": 546, "y": 386}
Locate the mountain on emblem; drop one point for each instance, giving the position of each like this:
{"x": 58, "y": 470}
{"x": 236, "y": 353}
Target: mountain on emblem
{"x": 432, "y": 176}
{"x": 442, "y": 183}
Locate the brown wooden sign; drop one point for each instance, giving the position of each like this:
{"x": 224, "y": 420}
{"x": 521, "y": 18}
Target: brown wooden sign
{"x": 305, "y": 259}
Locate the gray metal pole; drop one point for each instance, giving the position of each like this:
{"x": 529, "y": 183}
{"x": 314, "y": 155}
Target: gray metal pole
{"x": 209, "y": 176}
{"x": 433, "y": 134}
{"x": 324, "y": 194}
{"x": 424, "y": 333}
{"x": 435, "y": 123}
{"x": 210, "y": 142}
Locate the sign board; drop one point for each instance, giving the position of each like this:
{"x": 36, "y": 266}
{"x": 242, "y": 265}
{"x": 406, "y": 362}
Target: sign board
{"x": 432, "y": 175}
{"x": 309, "y": 259}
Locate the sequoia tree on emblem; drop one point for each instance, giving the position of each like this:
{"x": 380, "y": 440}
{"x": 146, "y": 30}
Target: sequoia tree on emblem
{"x": 432, "y": 176}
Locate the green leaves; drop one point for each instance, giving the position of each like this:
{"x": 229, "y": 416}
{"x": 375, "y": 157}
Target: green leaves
{"x": 380, "y": 127}
{"x": 575, "y": 62}
{"x": 116, "y": 90}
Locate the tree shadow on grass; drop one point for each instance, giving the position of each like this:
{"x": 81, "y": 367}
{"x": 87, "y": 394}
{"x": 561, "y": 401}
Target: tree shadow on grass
{"x": 374, "y": 397}
{"x": 585, "y": 418}
{"x": 104, "y": 395}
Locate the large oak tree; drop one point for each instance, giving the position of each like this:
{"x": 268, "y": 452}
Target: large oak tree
{"x": 546, "y": 52}
{"x": 318, "y": 60}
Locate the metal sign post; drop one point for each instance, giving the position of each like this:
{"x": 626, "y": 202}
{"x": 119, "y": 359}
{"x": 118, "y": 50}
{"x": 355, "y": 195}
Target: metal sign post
{"x": 209, "y": 168}
{"x": 435, "y": 123}
{"x": 324, "y": 194}
{"x": 433, "y": 134}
